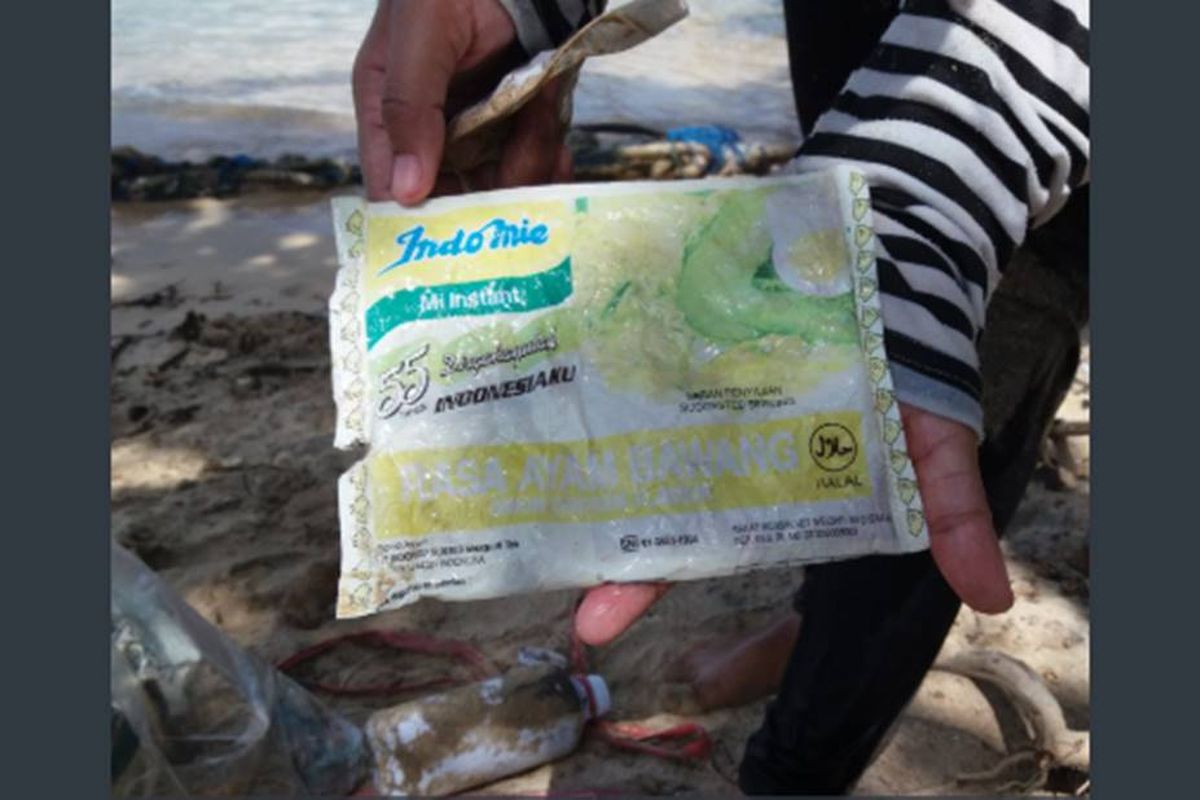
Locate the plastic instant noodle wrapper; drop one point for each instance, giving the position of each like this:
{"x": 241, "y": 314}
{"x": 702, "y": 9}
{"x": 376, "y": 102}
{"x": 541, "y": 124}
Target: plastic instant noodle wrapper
{"x": 568, "y": 385}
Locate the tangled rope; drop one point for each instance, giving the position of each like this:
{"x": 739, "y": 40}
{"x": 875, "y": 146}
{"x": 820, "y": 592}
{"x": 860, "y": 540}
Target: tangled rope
{"x": 682, "y": 742}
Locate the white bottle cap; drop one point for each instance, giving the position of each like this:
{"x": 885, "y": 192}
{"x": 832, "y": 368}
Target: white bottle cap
{"x": 598, "y": 690}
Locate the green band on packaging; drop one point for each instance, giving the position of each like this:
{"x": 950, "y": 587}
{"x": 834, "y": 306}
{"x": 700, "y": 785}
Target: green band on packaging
{"x": 473, "y": 298}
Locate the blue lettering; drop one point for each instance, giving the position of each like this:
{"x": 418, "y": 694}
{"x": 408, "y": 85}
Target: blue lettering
{"x": 415, "y": 247}
{"x": 426, "y": 248}
{"x": 503, "y": 235}
{"x": 452, "y": 246}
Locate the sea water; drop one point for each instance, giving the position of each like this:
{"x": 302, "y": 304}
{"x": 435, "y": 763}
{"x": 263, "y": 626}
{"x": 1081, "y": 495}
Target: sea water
{"x": 194, "y": 78}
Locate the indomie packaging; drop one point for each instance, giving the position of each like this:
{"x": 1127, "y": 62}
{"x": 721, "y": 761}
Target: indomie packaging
{"x": 568, "y": 385}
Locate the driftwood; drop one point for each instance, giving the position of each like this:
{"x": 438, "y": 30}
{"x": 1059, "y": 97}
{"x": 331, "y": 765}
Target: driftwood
{"x": 1052, "y": 742}
{"x": 667, "y": 160}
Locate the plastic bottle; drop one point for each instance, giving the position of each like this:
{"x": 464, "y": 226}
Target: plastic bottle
{"x": 194, "y": 714}
{"x": 483, "y": 732}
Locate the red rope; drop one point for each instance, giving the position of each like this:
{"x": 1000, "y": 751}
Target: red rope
{"x": 684, "y": 742}
{"x": 694, "y": 743}
{"x": 461, "y": 651}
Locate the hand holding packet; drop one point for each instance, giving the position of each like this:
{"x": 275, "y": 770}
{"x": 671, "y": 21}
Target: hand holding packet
{"x": 568, "y": 385}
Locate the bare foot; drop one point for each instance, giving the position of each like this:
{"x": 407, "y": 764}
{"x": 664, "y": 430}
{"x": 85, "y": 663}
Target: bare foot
{"x": 726, "y": 673}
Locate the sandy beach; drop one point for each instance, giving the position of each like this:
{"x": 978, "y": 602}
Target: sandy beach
{"x": 223, "y": 480}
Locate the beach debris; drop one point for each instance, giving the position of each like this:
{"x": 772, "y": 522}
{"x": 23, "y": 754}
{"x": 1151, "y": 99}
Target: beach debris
{"x": 529, "y": 656}
{"x": 654, "y": 160}
{"x": 137, "y": 176}
{"x": 476, "y": 665}
{"x": 193, "y": 713}
{"x": 473, "y": 136}
{"x": 730, "y": 155}
{"x": 1052, "y": 743}
{"x": 601, "y": 152}
{"x": 1064, "y": 461}
{"x": 477, "y": 734}
{"x": 679, "y": 154}
{"x": 480, "y": 728}
{"x": 682, "y": 742}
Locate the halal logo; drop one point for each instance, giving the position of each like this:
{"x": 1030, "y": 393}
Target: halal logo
{"x": 833, "y": 447}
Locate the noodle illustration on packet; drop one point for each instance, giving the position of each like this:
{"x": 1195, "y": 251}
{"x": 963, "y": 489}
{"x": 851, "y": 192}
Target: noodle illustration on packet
{"x": 568, "y": 385}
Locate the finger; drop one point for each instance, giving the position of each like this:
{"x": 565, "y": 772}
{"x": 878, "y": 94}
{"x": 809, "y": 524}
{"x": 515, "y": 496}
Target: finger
{"x": 374, "y": 146}
{"x": 961, "y": 536}
{"x": 531, "y": 152}
{"x": 426, "y": 41}
{"x": 608, "y": 610}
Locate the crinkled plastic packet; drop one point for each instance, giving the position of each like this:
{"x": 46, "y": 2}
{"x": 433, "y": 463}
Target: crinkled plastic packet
{"x": 567, "y": 385}
{"x": 473, "y": 137}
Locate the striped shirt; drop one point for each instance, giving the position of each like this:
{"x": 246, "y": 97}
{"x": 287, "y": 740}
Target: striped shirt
{"x": 545, "y": 24}
{"x": 970, "y": 120}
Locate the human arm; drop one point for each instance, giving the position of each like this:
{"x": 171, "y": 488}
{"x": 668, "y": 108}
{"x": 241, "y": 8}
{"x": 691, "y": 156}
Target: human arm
{"x": 970, "y": 122}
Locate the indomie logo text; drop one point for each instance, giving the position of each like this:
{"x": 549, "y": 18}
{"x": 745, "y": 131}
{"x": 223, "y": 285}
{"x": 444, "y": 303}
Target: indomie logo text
{"x": 498, "y": 234}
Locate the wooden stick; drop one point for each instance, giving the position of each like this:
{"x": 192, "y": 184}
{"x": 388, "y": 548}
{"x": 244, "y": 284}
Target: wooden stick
{"x": 1034, "y": 701}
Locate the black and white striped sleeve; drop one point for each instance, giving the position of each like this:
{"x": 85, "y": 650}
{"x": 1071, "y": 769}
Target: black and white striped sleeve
{"x": 545, "y": 24}
{"x": 970, "y": 121}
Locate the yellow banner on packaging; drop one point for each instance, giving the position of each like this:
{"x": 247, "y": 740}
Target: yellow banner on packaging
{"x": 681, "y": 470}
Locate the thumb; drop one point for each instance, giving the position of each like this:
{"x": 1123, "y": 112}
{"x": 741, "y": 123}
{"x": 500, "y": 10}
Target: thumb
{"x": 426, "y": 41}
{"x": 961, "y": 536}
{"x": 606, "y": 611}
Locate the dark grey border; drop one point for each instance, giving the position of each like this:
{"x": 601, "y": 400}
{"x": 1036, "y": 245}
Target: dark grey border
{"x": 1145, "y": 309}
{"x": 55, "y": 292}
{"x": 1146, "y": 289}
